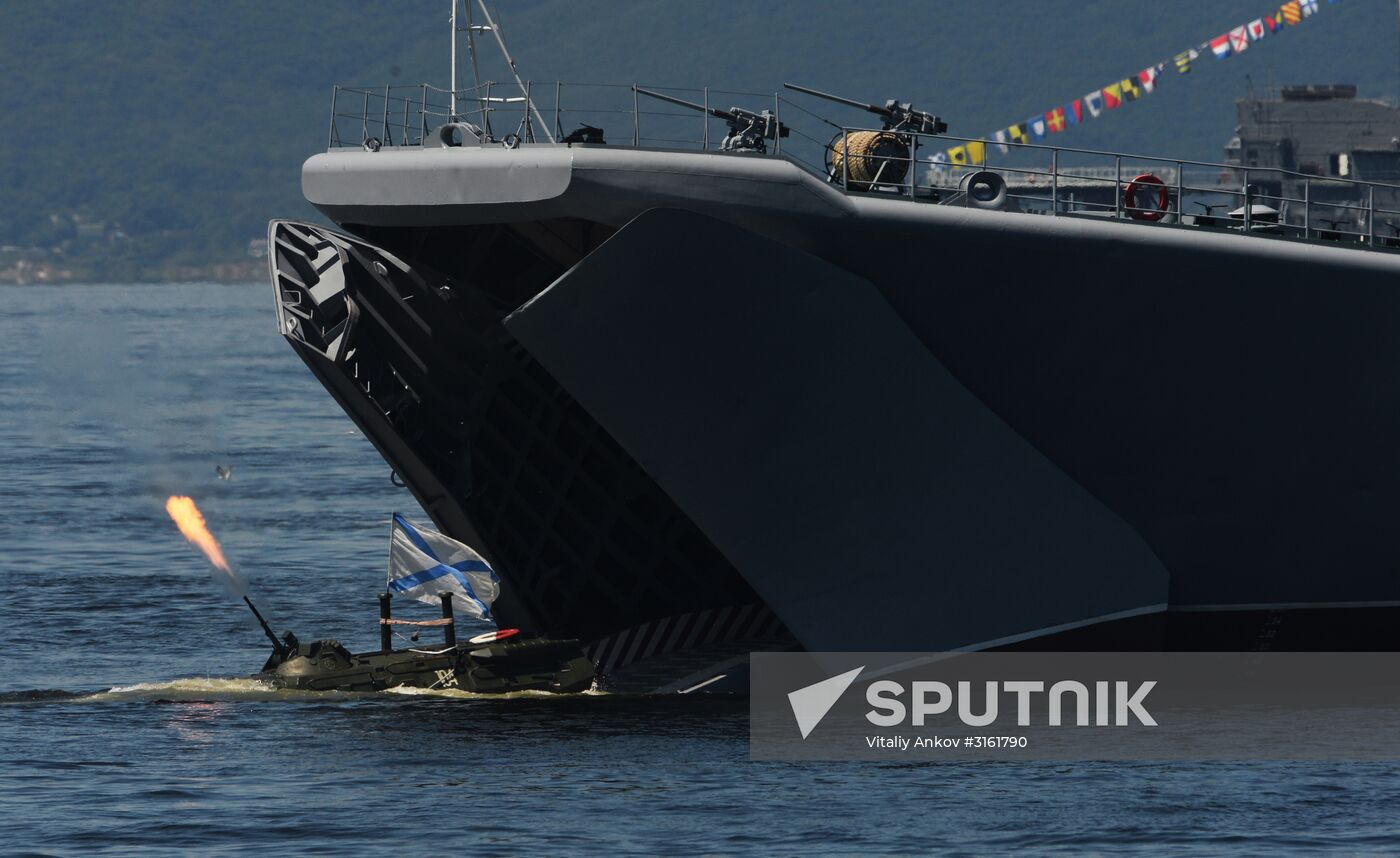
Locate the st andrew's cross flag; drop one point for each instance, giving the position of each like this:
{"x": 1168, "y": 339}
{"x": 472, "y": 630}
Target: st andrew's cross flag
{"x": 424, "y": 564}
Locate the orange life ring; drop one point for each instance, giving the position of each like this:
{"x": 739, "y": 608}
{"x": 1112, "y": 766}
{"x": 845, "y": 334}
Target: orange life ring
{"x": 1140, "y": 183}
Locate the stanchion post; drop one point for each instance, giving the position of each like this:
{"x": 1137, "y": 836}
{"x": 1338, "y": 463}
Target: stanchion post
{"x": 449, "y": 629}
{"x": 386, "y": 631}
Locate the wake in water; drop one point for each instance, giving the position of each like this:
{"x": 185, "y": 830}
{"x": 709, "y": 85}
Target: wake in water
{"x": 198, "y": 689}
{"x": 457, "y": 693}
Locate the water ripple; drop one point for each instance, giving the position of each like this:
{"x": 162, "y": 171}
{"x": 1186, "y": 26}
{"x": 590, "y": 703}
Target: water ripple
{"x": 119, "y": 733}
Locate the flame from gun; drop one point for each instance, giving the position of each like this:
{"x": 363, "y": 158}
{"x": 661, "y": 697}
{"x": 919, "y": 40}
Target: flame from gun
{"x": 188, "y": 518}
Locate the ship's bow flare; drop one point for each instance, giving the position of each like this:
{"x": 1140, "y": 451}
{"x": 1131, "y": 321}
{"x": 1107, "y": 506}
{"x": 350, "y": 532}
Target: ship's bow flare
{"x": 851, "y": 479}
{"x": 308, "y": 278}
{"x": 502, "y": 457}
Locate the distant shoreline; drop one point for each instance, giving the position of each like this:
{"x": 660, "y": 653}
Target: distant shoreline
{"x": 44, "y": 273}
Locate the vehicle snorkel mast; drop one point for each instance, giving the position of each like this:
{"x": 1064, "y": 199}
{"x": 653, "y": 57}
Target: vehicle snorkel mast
{"x": 748, "y": 131}
{"x": 871, "y": 160}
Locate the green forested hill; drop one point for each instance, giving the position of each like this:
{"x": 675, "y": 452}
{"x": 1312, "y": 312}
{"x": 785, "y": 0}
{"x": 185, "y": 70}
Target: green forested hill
{"x": 186, "y": 122}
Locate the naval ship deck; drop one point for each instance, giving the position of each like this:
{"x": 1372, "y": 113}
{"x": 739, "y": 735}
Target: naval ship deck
{"x": 1031, "y": 178}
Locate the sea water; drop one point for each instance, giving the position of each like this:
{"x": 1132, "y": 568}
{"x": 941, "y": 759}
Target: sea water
{"x": 127, "y": 722}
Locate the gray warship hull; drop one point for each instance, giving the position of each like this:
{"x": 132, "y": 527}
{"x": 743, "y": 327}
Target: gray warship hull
{"x": 695, "y": 404}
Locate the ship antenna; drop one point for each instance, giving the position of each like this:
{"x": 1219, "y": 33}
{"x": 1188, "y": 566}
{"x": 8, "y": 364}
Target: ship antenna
{"x": 471, "y": 45}
{"x": 471, "y": 53}
{"x": 501, "y": 43}
{"x": 452, "y": 81}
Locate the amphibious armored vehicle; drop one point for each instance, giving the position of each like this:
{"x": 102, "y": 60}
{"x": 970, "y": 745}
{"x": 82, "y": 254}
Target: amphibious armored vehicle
{"x": 491, "y": 663}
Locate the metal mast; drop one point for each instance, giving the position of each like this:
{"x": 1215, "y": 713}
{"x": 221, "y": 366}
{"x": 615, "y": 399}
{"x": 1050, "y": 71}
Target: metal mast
{"x": 471, "y": 45}
{"x": 501, "y": 43}
{"x": 452, "y": 96}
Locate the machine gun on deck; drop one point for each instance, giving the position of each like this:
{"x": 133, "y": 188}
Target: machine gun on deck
{"x": 748, "y": 131}
{"x": 897, "y": 115}
{"x": 865, "y": 160}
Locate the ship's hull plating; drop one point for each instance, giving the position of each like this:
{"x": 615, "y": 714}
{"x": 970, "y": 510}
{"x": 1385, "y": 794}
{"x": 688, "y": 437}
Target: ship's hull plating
{"x": 654, "y": 389}
{"x": 502, "y": 457}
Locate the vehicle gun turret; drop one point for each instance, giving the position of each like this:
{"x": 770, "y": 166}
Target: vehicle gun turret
{"x": 278, "y": 647}
{"x": 748, "y": 131}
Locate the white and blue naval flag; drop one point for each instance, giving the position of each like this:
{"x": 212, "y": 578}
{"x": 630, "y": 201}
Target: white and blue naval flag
{"x": 424, "y": 564}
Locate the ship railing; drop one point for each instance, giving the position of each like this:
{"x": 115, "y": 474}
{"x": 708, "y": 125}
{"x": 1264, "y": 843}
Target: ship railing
{"x": 544, "y": 112}
{"x": 1040, "y": 178}
{"x": 1062, "y": 181}
{"x": 372, "y": 117}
